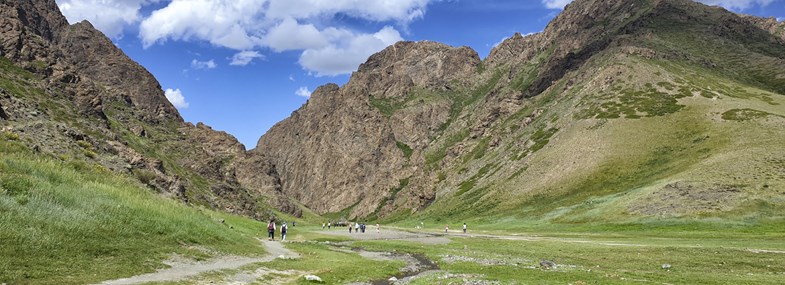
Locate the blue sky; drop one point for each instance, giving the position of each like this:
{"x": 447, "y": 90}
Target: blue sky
{"x": 243, "y": 65}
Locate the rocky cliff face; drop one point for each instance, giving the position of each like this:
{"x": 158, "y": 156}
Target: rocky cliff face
{"x": 97, "y": 104}
{"x": 423, "y": 126}
{"x": 422, "y": 122}
{"x": 345, "y": 147}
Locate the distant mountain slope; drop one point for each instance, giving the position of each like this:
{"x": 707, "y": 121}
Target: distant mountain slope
{"x": 618, "y": 111}
{"x": 81, "y": 97}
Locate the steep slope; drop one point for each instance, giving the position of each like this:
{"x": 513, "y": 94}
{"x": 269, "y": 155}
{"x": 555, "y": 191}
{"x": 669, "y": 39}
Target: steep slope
{"x": 348, "y": 146}
{"x": 81, "y": 97}
{"x": 619, "y": 111}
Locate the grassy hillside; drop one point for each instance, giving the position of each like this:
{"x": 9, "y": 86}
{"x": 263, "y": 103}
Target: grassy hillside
{"x": 72, "y": 222}
{"x": 677, "y": 127}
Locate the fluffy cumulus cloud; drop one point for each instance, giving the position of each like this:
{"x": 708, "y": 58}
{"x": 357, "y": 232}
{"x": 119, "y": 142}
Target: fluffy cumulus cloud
{"x": 375, "y": 10}
{"x": 310, "y": 26}
{"x": 347, "y": 53}
{"x": 176, "y": 98}
{"x": 303, "y": 92}
{"x": 730, "y": 4}
{"x": 221, "y": 22}
{"x": 109, "y": 16}
{"x": 210, "y": 64}
{"x": 284, "y": 25}
{"x": 245, "y": 57}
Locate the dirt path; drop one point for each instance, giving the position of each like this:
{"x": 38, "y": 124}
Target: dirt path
{"x": 391, "y": 234}
{"x": 180, "y": 270}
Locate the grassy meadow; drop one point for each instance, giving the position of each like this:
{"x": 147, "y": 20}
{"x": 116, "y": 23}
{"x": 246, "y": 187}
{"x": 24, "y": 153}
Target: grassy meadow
{"x": 72, "y": 222}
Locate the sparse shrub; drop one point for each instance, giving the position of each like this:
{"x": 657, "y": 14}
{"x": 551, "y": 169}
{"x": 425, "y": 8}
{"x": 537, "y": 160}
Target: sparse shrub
{"x": 145, "y": 176}
{"x": 84, "y": 144}
{"x": 89, "y": 153}
{"x": 10, "y": 136}
{"x": 745, "y": 115}
{"x": 407, "y": 151}
{"x": 441, "y": 177}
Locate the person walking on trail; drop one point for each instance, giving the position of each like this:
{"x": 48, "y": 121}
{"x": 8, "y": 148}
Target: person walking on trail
{"x": 377, "y": 228}
{"x": 284, "y": 228}
{"x": 323, "y": 224}
{"x": 350, "y": 227}
{"x": 271, "y": 230}
{"x": 464, "y": 227}
{"x": 446, "y": 227}
{"x": 356, "y": 227}
{"x": 329, "y": 225}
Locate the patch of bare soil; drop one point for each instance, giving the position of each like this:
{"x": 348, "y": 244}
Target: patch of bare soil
{"x": 180, "y": 268}
{"x": 386, "y": 234}
{"x": 682, "y": 198}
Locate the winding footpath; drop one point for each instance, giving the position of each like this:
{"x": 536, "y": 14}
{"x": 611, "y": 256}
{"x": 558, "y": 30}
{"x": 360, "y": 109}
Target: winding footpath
{"x": 180, "y": 270}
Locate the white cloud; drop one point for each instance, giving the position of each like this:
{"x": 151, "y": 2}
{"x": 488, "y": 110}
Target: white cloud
{"x": 244, "y": 25}
{"x": 110, "y": 17}
{"x": 291, "y": 78}
{"x": 285, "y": 25}
{"x": 210, "y": 64}
{"x": 556, "y": 4}
{"x": 303, "y": 92}
{"x": 737, "y": 4}
{"x": 176, "y": 98}
{"x": 290, "y": 35}
{"x": 221, "y": 22}
{"x": 245, "y": 57}
{"x": 348, "y": 53}
{"x": 378, "y": 10}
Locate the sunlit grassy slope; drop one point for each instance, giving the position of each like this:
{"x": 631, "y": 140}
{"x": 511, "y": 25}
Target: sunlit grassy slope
{"x": 679, "y": 129}
{"x": 73, "y": 222}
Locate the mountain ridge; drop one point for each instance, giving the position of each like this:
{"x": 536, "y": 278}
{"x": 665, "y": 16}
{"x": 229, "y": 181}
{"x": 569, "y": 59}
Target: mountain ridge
{"x": 420, "y": 128}
{"x": 532, "y": 66}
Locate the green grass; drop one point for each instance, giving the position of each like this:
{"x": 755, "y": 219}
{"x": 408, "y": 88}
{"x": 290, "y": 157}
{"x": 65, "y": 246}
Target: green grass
{"x": 334, "y": 267}
{"x": 596, "y": 259}
{"x": 406, "y": 149}
{"x": 74, "y": 222}
{"x": 746, "y": 115}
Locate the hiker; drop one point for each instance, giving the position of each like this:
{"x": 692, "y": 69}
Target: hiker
{"x": 377, "y": 228}
{"x": 464, "y": 227}
{"x": 446, "y": 227}
{"x": 362, "y": 227}
{"x": 329, "y": 225}
{"x": 284, "y": 228}
{"x": 350, "y": 227}
{"x": 323, "y": 224}
{"x": 271, "y": 230}
{"x": 356, "y": 227}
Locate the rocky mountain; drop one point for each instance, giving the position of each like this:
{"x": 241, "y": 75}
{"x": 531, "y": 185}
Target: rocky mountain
{"x": 69, "y": 91}
{"x": 619, "y": 104}
{"x": 617, "y": 111}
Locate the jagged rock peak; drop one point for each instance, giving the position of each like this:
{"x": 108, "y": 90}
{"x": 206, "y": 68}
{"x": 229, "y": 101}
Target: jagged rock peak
{"x": 35, "y": 35}
{"x": 406, "y": 64}
{"x": 41, "y": 16}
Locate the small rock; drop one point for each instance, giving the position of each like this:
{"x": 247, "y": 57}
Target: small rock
{"x": 222, "y": 221}
{"x": 282, "y": 256}
{"x": 547, "y": 264}
{"x": 313, "y": 278}
{"x": 666, "y": 266}
{"x": 392, "y": 279}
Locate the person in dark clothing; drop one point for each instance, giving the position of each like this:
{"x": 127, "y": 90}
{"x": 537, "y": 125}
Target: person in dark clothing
{"x": 271, "y": 230}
